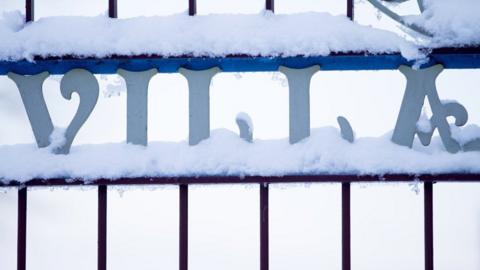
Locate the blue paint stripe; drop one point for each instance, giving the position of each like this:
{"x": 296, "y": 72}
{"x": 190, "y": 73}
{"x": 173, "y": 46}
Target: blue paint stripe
{"x": 236, "y": 64}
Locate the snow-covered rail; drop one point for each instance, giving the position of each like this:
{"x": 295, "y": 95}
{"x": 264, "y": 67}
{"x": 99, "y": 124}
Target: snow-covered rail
{"x": 450, "y": 58}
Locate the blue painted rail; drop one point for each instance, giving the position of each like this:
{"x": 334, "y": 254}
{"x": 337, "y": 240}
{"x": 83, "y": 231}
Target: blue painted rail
{"x": 450, "y": 58}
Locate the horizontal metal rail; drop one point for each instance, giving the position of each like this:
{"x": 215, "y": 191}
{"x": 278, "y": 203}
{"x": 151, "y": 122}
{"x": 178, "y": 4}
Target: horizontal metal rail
{"x": 450, "y": 58}
{"x": 202, "y": 180}
{"x": 263, "y": 182}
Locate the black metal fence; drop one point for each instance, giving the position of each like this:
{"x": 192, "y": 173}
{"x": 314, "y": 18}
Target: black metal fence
{"x": 263, "y": 182}
{"x": 192, "y": 8}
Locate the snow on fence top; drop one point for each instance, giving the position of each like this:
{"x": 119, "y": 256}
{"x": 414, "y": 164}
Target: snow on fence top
{"x": 452, "y": 23}
{"x": 225, "y": 153}
{"x": 212, "y": 35}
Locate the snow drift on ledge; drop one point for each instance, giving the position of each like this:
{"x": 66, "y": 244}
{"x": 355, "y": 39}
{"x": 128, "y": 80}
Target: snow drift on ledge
{"x": 324, "y": 152}
{"x": 261, "y": 34}
{"x": 452, "y": 22}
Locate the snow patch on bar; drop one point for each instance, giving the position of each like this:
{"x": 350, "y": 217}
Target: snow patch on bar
{"x": 264, "y": 34}
{"x": 325, "y": 152}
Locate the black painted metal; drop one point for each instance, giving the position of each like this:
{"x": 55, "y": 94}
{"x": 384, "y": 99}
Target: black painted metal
{"x": 264, "y": 182}
{"x": 202, "y": 180}
{"x": 270, "y": 5}
{"x": 192, "y": 7}
{"x": 264, "y": 235}
{"x": 29, "y": 10}
{"x": 428, "y": 223}
{"x": 112, "y": 9}
{"x": 22, "y": 229}
{"x": 346, "y": 242}
{"x": 183, "y": 231}
{"x": 102, "y": 227}
{"x": 443, "y": 50}
{"x": 350, "y": 9}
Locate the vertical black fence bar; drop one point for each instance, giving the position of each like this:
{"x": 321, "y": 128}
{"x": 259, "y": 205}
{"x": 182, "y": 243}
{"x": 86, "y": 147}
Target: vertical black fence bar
{"x": 428, "y": 223}
{"x": 264, "y": 253}
{"x": 346, "y": 239}
{"x": 350, "y": 9}
{"x": 270, "y": 5}
{"x": 29, "y": 10}
{"x": 112, "y": 9}
{"x": 102, "y": 228}
{"x": 183, "y": 237}
{"x": 192, "y": 7}
{"x": 22, "y": 229}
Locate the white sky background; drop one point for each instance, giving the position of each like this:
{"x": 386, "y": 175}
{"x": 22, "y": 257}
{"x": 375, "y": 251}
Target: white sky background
{"x": 387, "y": 226}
